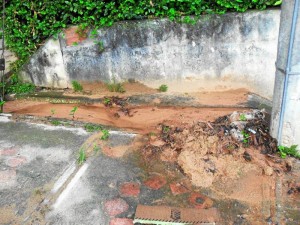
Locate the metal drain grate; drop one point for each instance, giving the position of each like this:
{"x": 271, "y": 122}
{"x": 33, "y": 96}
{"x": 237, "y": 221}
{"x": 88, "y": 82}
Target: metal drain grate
{"x": 164, "y": 215}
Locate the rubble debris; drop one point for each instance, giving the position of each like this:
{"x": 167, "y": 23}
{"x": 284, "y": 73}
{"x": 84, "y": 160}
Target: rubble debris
{"x": 268, "y": 170}
{"x": 294, "y": 188}
{"x": 206, "y": 151}
{"x": 119, "y": 102}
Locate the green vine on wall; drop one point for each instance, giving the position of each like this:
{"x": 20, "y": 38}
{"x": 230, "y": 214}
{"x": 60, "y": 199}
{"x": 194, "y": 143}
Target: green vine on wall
{"x": 29, "y": 23}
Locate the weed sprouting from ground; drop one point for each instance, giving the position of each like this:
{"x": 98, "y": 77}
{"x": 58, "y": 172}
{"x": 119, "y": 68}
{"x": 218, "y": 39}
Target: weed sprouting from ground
{"x": 105, "y": 135}
{"x": 82, "y": 157}
{"x": 163, "y": 88}
{"x": 291, "y": 151}
{"x": 73, "y": 111}
{"x": 55, "y": 122}
{"x": 92, "y": 127}
{"x": 106, "y": 101}
{"x": 76, "y": 86}
{"x": 246, "y": 137}
{"x": 115, "y": 87}
{"x": 52, "y": 112}
{"x": 243, "y": 117}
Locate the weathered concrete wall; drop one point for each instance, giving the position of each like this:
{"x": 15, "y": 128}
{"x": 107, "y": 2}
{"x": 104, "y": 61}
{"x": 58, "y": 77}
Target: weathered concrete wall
{"x": 232, "y": 49}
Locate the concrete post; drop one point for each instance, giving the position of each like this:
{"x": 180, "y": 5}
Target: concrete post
{"x": 285, "y": 124}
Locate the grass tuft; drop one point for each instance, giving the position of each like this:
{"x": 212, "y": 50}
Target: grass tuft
{"x": 76, "y": 86}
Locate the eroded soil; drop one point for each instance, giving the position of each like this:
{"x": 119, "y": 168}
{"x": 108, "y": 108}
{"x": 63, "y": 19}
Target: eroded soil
{"x": 181, "y": 144}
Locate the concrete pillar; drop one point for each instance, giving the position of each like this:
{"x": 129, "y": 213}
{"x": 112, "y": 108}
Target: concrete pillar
{"x": 285, "y": 125}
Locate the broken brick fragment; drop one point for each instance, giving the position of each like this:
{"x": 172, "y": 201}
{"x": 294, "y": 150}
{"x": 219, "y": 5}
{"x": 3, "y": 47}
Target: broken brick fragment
{"x": 155, "y": 182}
{"x": 130, "y": 189}
{"x": 178, "y": 188}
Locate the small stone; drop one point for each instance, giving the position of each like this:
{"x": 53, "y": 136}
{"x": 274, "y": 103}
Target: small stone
{"x": 247, "y": 156}
{"x": 121, "y": 221}
{"x": 155, "y": 182}
{"x": 130, "y": 189}
{"x": 115, "y": 207}
{"x": 268, "y": 171}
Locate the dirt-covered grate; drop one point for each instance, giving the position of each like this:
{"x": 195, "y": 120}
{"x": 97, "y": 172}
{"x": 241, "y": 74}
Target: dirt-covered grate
{"x": 176, "y": 216}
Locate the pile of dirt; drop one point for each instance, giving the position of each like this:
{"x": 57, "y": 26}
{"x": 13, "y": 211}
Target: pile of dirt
{"x": 229, "y": 147}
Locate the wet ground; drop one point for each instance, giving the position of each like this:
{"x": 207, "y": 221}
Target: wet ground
{"x": 42, "y": 182}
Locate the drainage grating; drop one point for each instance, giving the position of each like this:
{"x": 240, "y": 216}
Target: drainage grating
{"x": 164, "y": 215}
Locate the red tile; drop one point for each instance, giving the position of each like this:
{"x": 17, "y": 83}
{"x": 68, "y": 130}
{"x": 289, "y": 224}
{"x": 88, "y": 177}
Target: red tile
{"x": 130, "y": 189}
{"x": 16, "y": 161}
{"x": 115, "y": 207}
{"x": 155, "y": 182}
{"x": 121, "y": 221}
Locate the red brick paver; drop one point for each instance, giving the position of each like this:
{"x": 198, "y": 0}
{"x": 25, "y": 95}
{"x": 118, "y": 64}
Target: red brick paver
{"x": 155, "y": 182}
{"x": 121, "y": 221}
{"x": 130, "y": 189}
{"x": 16, "y": 161}
{"x": 115, "y": 207}
{"x": 8, "y": 152}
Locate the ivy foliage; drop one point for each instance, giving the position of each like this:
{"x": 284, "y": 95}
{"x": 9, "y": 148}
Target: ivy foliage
{"x": 29, "y": 23}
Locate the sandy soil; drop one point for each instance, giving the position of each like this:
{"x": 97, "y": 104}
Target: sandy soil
{"x": 143, "y": 119}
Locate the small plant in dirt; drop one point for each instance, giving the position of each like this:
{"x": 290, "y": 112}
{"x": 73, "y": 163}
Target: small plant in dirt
{"x": 73, "y": 111}
{"x": 55, "y": 122}
{"x": 243, "y": 117}
{"x": 165, "y": 129}
{"x": 107, "y": 101}
{"x": 163, "y": 88}
{"x": 76, "y": 86}
{"x": 75, "y": 43}
{"x": 151, "y": 134}
{"x": 52, "y": 112}
{"x": 105, "y": 135}
{"x": 92, "y": 127}
{"x": 115, "y": 87}
{"x": 82, "y": 157}
{"x": 291, "y": 151}
{"x": 246, "y": 137}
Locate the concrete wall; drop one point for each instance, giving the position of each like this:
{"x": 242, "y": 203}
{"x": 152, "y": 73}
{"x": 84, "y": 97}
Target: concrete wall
{"x": 220, "y": 51}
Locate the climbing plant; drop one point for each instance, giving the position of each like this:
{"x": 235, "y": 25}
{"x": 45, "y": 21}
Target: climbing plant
{"x": 29, "y": 23}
